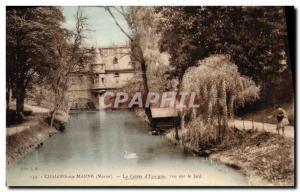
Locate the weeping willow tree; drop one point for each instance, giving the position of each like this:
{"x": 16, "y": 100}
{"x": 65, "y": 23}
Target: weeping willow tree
{"x": 222, "y": 89}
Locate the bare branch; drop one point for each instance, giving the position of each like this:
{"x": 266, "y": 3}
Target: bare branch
{"x": 117, "y": 23}
{"x": 122, "y": 12}
{"x": 122, "y": 8}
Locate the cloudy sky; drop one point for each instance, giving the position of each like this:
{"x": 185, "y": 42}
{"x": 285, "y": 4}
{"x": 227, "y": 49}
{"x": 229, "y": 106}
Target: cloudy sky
{"x": 104, "y": 31}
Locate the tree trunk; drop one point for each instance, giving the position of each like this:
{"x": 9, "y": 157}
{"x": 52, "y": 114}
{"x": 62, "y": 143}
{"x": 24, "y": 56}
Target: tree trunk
{"x": 138, "y": 54}
{"x": 219, "y": 129}
{"x": 8, "y": 95}
{"x": 252, "y": 122}
{"x": 182, "y": 123}
{"x": 225, "y": 127}
{"x": 52, "y": 118}
{"x": 20, "y": 104}
{"x": 243, "y": 123}
{"x": 146, "y": 88}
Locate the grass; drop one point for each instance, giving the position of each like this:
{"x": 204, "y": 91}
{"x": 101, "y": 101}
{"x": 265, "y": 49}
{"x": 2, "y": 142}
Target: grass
{"x": 269, "y": 155}
{"x": 20, "y": 144}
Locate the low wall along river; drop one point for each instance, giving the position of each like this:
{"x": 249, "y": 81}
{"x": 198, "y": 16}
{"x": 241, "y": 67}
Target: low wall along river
{"x": 114, "y": 148}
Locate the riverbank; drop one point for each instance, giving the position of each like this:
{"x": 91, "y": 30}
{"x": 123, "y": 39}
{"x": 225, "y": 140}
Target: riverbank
{"x": 26, "y": 137}
{"x": 267, "y": 159}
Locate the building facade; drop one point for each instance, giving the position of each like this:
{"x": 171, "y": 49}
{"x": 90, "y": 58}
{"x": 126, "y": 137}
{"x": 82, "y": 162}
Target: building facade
{"x": 111, "y": 69}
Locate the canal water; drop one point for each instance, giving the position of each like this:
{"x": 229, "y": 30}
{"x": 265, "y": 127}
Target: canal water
{"x": 114, "y": 148}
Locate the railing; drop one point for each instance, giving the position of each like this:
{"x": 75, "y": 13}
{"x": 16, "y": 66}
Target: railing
{"x": 104, "y": 86}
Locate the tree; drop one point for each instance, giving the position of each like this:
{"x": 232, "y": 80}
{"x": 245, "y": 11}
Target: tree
{"x": 137, "y": 55}
{"x": 32, "y": 36}
{"x": 221, "y": 89}
{"x": 73, "y": 56}
{"x": 254, "y": 37}
{"x": 146, "y": 22}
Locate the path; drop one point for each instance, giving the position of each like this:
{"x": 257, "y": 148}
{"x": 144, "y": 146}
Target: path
{"x": 289, "y": 130}
{"x": 36, "y": 109}
{"x": 31, "y": 121}
{"x": 34, "y": 120}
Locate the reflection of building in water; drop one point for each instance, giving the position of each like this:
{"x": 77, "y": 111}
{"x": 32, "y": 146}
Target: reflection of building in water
{"x": 111, "y": 70}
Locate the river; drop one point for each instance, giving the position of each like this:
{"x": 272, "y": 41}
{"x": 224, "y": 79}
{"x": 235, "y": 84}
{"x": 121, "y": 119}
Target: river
{"x": 91, "y": 151}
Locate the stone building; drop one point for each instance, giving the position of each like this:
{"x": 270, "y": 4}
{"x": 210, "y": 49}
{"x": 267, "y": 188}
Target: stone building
{"x": 111, "y": 69}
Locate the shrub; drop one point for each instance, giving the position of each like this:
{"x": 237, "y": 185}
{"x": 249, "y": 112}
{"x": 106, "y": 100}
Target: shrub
{"x": 218, "y": 83}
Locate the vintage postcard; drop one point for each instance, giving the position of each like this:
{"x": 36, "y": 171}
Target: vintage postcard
{"x": 150, "y": 96}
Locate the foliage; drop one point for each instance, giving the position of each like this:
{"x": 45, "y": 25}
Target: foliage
{"x": 146, "y": 22}
{"x": 254, "y": 37}
{"x": 73, "y": 58}
{"x": 251, "y": 35}
{"x": 221, "y": 88}
{"x": 33, "y": 33}
{"x": 41, "y": 52}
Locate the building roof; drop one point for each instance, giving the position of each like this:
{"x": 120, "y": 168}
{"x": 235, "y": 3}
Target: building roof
{"x": 115, "y": 47}
{"x": 163, "y": 112}
{"x": 120, "y": 70}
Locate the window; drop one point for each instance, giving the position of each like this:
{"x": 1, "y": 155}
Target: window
{"x": 117, "y": 75}
{"x": 102, "y": 66}
{"x": 102, "y": 80}
{"x": 96, "y": 79}
{"x": 115, "y": 60}
{"x": 73, "y": 80}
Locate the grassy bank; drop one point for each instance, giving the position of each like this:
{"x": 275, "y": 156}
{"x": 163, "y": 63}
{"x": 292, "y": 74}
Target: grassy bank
{"x": 265, "y": 158}
{"x": 27, "y": 140}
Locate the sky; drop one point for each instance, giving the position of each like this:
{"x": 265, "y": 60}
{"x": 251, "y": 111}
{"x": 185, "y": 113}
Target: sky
{"x": 103, "y": 30}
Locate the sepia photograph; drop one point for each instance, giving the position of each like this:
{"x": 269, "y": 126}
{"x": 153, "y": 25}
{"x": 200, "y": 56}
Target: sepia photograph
{"x": 150, "y": 96}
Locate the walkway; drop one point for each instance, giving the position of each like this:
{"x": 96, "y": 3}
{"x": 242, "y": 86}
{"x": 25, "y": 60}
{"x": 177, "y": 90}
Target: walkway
{"x": 289, "y": 130}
